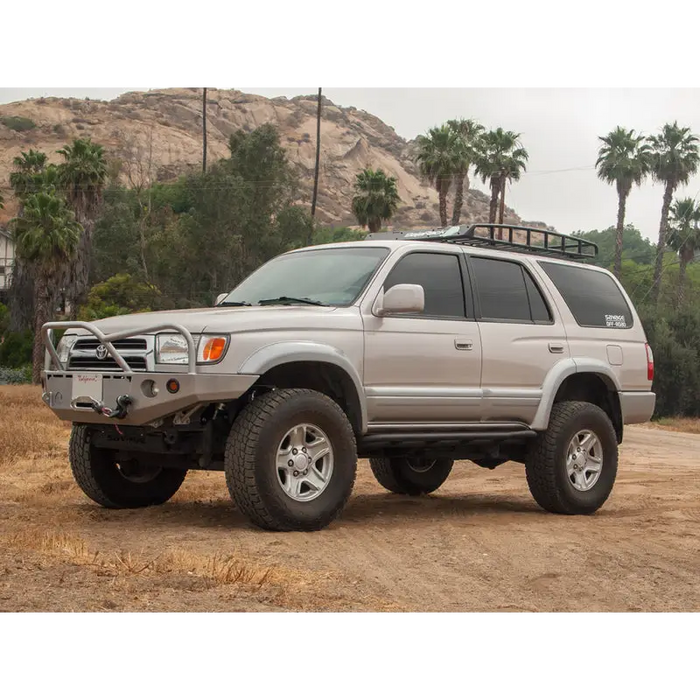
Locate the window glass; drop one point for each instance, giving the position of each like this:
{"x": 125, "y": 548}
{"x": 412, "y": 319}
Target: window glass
{"x": 538, "y": 306}
{"x": 441, "y": 279}
{"x": 502, "y": 291}
{"x": 593, "y": 297}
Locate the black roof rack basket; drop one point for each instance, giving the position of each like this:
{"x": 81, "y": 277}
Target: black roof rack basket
{"x": 523, "y": 239}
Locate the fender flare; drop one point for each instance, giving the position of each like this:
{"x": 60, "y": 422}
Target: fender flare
{"x": 556, "y": 376}
{"x": 270, "y": 356}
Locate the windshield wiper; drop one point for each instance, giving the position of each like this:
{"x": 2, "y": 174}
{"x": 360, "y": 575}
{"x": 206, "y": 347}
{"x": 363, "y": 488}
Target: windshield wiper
{"x": 234, "y": 303}
{"x": 291, "y": 300}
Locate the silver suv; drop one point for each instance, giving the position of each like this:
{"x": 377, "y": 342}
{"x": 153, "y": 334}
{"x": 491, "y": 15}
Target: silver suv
{"x": 484, "y": 343}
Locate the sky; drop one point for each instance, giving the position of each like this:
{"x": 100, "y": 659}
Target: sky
{"x": 559, "y": 127}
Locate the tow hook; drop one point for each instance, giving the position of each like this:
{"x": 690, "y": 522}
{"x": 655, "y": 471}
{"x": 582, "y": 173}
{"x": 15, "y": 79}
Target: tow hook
{"x": 123, "y": 403}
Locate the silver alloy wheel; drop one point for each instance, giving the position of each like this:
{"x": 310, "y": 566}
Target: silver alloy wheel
{"x": 304, "y": 462}
{"x": 584, "y": 460}
{"x": 420, "y": 466}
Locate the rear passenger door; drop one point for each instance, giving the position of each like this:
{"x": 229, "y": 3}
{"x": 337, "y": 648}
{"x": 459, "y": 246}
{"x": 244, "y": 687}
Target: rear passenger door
{"x": 522, "y": 337}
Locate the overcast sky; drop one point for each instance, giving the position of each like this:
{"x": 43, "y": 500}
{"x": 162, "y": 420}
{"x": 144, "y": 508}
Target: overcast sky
{"x": 559, "y": 128}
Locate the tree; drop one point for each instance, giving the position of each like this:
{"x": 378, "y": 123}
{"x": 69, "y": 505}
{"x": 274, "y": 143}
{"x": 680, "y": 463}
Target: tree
{"x": 684, "y": 236}
{"x": 637, "y": 248}
{"x": 674, "y": 160}
{"x": 31, "y": 173}
{"x": 437, "y": 156}
{"x": 82, "y": 177}
{"x": 119, "y": 295}
{"x": 624, "y": 159}
{"x": 376, "y": 198}
{"x": 468, "y": 144}
{"x": 47, "y": 237}
{"x": 501, "y": 159}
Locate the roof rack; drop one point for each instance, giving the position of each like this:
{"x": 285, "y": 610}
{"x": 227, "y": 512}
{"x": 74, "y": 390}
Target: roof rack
{"x": 522, "y": 239}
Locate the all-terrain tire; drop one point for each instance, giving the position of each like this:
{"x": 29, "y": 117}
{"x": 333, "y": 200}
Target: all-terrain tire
{"x": 100, "y": 478}
{"x": 545, "y": 466}
{"x": 410, "y": 477}
{"x": 251, "y": 452}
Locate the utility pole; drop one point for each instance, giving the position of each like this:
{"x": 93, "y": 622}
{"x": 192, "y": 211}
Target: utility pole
{"x": 318, "y": 160}
{"x": 204, "y": 130}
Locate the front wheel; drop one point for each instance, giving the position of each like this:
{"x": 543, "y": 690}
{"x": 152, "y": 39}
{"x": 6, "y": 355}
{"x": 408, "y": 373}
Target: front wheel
{"x": 411, "y": 476}
{"x": 120, "y": 484}
{"x": 571, "y": 467}
{"x": 290, "y": 460}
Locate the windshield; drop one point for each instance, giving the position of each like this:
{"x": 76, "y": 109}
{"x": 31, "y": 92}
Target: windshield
{"x": 330, "y": 276}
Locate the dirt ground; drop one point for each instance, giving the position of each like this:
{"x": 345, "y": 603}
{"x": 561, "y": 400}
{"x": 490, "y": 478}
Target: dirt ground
{"x": 479, "y": 544}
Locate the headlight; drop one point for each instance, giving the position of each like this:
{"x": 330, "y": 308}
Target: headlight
{"x": 65, "y": 345}
{"x": 171, "y": 348}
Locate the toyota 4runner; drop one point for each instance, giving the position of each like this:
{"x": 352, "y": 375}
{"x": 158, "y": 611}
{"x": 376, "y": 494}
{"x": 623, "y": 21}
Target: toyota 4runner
{"x": 484, "y": 343}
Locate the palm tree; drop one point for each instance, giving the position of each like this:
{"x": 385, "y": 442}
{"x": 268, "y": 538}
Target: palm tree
{"x": 438, "y": 160}
{"x": 501, "y": 159}
{"x": 376, "y": 199}
{"x": 469, "y": 133}
{"x": 47, "y": 237}
{"x": 624, "y": 159}
{"x": 684, "y": 236}
{"x": 31, "y": 173}
{"x": 82, "y": 176}
{"x": 675, "y": 159}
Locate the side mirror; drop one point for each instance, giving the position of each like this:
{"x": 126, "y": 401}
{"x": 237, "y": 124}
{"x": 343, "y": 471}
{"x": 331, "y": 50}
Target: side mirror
{"x": 401, "y": 299}
{"x": 220, "y": 298}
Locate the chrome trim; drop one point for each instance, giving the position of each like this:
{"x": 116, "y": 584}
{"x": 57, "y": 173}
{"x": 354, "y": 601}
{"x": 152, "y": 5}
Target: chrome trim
{"x": 107, "y": 339}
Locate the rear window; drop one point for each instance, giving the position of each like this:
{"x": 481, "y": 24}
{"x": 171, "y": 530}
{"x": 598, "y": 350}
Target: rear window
{"x": 594, "y": 298}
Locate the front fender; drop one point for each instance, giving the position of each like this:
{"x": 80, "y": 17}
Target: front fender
{"x": 270, "y": 356}
{"x": 558, "y": 373}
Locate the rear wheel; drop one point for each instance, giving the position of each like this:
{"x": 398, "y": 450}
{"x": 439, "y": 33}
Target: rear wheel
{"x": 411, "y": 476}
{"x": 571, "y": 467}
{"x": 126, "y": 484}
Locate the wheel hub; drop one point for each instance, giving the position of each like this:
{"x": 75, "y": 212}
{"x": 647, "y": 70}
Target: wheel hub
{"x": 584, "y": 460}
{"x": 304, "y": 462}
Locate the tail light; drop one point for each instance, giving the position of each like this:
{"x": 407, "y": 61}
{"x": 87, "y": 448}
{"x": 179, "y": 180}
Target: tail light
{"x": 650, "y": 363}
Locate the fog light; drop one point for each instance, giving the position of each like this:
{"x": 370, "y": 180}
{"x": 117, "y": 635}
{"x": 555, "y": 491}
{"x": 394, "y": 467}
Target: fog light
{"x": 173, "y": 386}
{"x": 149, "y": 388}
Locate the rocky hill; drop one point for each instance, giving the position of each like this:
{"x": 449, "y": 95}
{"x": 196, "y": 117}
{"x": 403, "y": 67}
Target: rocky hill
{"x": 157, "y": 135}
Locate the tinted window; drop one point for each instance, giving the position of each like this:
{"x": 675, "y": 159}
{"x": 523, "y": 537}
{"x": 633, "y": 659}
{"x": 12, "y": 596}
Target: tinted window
{"x": 507, "y": 292}
{"x": 593, "y": 297}
{"x": 440, "y": 277}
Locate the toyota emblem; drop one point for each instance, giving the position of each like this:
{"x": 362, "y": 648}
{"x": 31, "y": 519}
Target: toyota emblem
{"x": 101, "y": 352}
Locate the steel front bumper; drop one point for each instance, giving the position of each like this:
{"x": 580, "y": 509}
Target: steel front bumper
{"x": 150, "y": 397}
{"x": 145, "y": 408}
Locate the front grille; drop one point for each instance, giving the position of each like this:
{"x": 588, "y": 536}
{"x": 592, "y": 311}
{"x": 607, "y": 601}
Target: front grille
{"x": 125, "y": 344}
{"x": 137, "y": 364}
{"x": 83, "y": 355}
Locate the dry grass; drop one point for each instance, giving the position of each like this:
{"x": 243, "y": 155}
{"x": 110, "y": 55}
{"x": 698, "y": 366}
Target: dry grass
{"x": 43, "y": 515}
{"x": 678, "y": 425}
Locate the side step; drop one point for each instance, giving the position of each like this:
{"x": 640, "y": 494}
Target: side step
{"x": 432, "y": 440}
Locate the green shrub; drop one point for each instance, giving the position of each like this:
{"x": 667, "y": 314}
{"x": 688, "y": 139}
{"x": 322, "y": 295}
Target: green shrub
{"x": 18, "y": 123}
{"x": 4, "y": 319}
{"x": 10, "y": 375}
{"x": 16, "y": 349}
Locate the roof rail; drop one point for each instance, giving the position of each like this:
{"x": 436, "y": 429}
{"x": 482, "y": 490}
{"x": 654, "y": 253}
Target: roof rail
{"x": 522, "y": 239}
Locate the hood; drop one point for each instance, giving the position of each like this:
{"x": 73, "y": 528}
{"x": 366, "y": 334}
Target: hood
{"x": 231, "y": 319}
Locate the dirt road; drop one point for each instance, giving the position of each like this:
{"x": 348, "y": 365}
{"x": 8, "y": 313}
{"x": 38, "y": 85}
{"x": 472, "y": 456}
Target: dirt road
{"x": 480, "y": 543}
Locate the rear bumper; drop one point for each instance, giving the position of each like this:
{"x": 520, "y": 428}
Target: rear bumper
{"x": 145, "y": 408}
{"x": 637, "y": 406}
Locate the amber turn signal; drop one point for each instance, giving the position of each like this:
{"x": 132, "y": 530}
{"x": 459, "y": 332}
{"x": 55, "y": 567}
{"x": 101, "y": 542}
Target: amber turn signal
{"x": 214, "y": 349}
{"x": 173, "y": 386}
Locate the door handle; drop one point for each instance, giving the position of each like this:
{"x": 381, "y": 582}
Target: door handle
{"x": 556, "y": 348}
{"x": 463, "y": 344}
